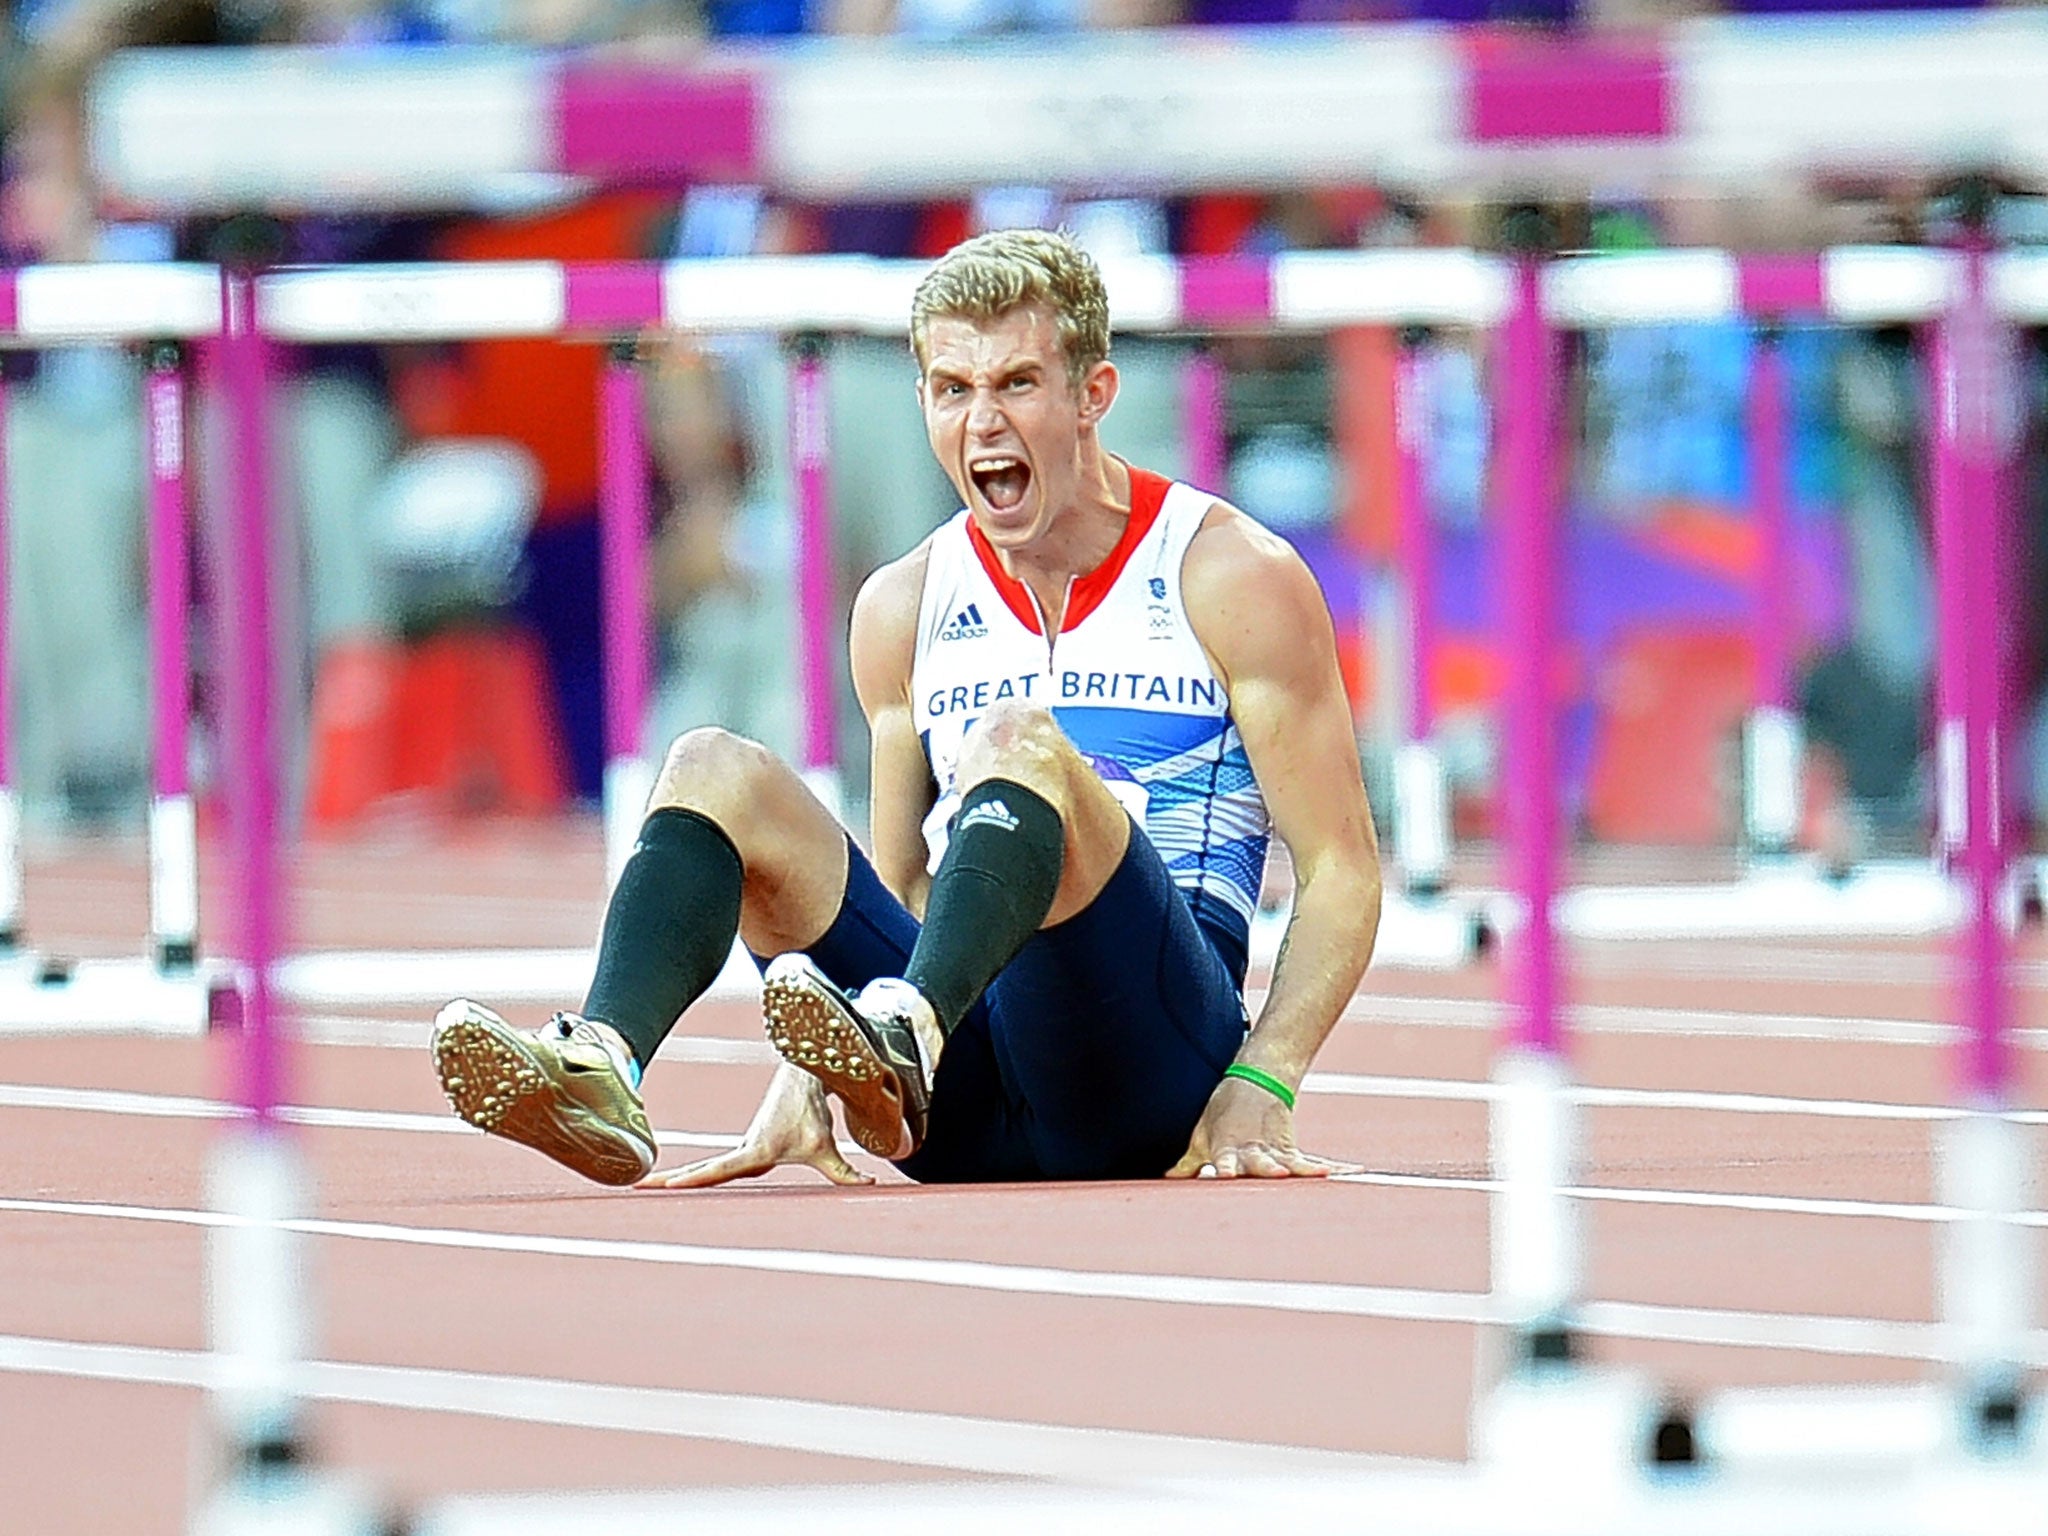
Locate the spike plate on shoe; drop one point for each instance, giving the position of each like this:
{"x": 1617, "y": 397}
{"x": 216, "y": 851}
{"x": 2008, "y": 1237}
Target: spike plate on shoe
{"x": 808, "y": 1029}
{"x": 495, "y": 1082}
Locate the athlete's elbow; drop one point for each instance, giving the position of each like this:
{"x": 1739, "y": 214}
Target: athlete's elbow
{"x": 1347, "y": 878}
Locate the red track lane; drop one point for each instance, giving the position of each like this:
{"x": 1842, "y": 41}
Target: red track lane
{"x": 1317, "y": 1378}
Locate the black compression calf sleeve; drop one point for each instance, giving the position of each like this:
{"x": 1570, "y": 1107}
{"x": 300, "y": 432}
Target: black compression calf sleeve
{"x": 992, "y": 890}
{"x": 668, "y": 928}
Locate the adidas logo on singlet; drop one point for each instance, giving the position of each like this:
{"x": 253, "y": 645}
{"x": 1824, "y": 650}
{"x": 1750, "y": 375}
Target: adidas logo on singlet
{"x": 964, "y": 625}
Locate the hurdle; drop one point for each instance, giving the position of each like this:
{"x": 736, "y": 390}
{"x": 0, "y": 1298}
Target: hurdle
{"x": 1541, "y": 1411}
{"x": 1772, "y": 738}
{"x": 622, "y": 516}
{"x": 1571, "y": 1417}
{"x": 1555, "y": 1429}
{"x": 253, "y": 1465}
{"x": 158, "y": 309}
{"x": 812, "y": 298}
{"x": 1779, "y": 893}
{"x": 1987, "y": 1270}
{"x": 857, "y": 295}
{"x": 10, "y": 801}
{"x": 1419, "y": 923}
{"x": 810, "y": 450}
{"x": 1422, "y": 796}
{"x": 173, "y": 825}
{"x": 1430, "y": 113}
{"x": 1535, "y": 1242}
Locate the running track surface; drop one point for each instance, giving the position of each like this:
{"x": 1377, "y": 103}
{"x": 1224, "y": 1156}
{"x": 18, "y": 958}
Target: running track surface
{"x": 489, "y": 1324}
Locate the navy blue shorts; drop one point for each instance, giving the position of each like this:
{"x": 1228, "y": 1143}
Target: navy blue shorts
{"x": 1093, "y": 1053}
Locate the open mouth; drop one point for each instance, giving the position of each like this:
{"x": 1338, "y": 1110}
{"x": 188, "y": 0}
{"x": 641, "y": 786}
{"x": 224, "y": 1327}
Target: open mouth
{"x": 1001, "y": 480}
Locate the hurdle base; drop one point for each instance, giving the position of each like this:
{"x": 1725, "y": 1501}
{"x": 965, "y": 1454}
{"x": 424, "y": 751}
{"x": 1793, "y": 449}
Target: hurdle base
{"x": 1546, "y": 1346}
{"x": 1553, "y": 1416}
{"x": 47, "y": 994}
{"x": 1430, "y": 933}
{"x": 1998, "y": 1417}
{"x": 1927, "y": 1425}
{"x": 267, "y": 1492}
{"x": 1411, "y": 1499}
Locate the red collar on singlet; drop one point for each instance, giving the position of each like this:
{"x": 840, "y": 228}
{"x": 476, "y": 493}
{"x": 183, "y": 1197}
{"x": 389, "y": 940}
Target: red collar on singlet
{"x": 1148, "y": 494}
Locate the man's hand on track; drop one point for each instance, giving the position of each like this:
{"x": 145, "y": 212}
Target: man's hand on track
{"x": 792, "y": 1126}
{"x": 1248, "y": 1133}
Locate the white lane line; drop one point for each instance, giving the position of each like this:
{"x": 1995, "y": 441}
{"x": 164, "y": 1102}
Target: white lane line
{"x": 1928, "y": 967}
{"x": 162, "y": 1106}
{"x": 952, "y": 1442}
{"x": 1366, "y": 1086}
{"x": 1638, "y": 1320}
{"x": 108, "y": 1101}
{"x": 1335, "y": 1084}
{"x": 1312, "y": 1296}
{"x": 1650, "y": 1019}
{"x": 167, "y": 1106}
{"x": 1775, "y": 1205}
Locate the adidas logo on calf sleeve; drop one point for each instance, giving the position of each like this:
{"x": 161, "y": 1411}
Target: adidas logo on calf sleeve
{"x": 990, "y": 813}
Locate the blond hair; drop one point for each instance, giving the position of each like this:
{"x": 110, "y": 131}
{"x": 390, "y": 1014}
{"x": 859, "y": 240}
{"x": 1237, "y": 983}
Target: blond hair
{"x": 983, "y": 279}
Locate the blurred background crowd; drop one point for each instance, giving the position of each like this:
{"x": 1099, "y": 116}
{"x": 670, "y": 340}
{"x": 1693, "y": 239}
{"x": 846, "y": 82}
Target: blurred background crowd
{"x": 1661, "y": 460}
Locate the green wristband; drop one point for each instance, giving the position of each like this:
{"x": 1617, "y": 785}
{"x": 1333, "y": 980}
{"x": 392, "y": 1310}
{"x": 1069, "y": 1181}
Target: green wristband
{"x": 1264, "y": 1079}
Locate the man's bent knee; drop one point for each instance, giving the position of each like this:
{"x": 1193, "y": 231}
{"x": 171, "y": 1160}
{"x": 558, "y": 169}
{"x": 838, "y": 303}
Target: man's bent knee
{"x": 713, "y": 770}
{"x": 1025, "y": 745}
{"x": 792, "y": 848}
{"x": 1017, "y": 741}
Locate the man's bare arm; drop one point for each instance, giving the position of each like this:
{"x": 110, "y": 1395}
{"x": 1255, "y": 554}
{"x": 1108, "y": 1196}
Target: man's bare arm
{"x": 883, "y": 643}
{"x": 1261, "y": 617}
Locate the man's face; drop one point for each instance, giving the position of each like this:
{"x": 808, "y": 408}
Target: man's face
{"x": 1004, "y": 420}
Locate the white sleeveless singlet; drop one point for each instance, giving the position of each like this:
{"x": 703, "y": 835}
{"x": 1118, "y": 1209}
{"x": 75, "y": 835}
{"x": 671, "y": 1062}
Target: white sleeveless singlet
{"x": 1125, "y": 678}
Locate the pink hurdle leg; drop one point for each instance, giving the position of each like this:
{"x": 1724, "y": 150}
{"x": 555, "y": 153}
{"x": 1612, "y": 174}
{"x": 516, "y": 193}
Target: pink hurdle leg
{"x": 258, "y": 1317}
{"x": 1529, "y": 591}
{"x": 1985, "y": 1159}
{"x": 1204, "y": 421}
{"x": 810, "y": 462}
{"x": 1535, "y": 1233}
{"x": 1772, "y": 745}
{"x": 1422, "y": 806}
{"x": 623, "y": 510}
{"x": 10, "y": 800}
{"x": 248, "y": 606}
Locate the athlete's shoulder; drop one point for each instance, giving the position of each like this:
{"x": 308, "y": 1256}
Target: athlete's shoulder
{"x": 1231, "y": 547}
{"x": 892, "y": 591}
{"x": 1240, "y": 577}
{"x": 882, "y": 638}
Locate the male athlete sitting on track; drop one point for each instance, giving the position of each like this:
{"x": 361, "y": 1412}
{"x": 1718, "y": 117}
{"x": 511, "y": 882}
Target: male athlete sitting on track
{"x": 1086, "y": 643}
